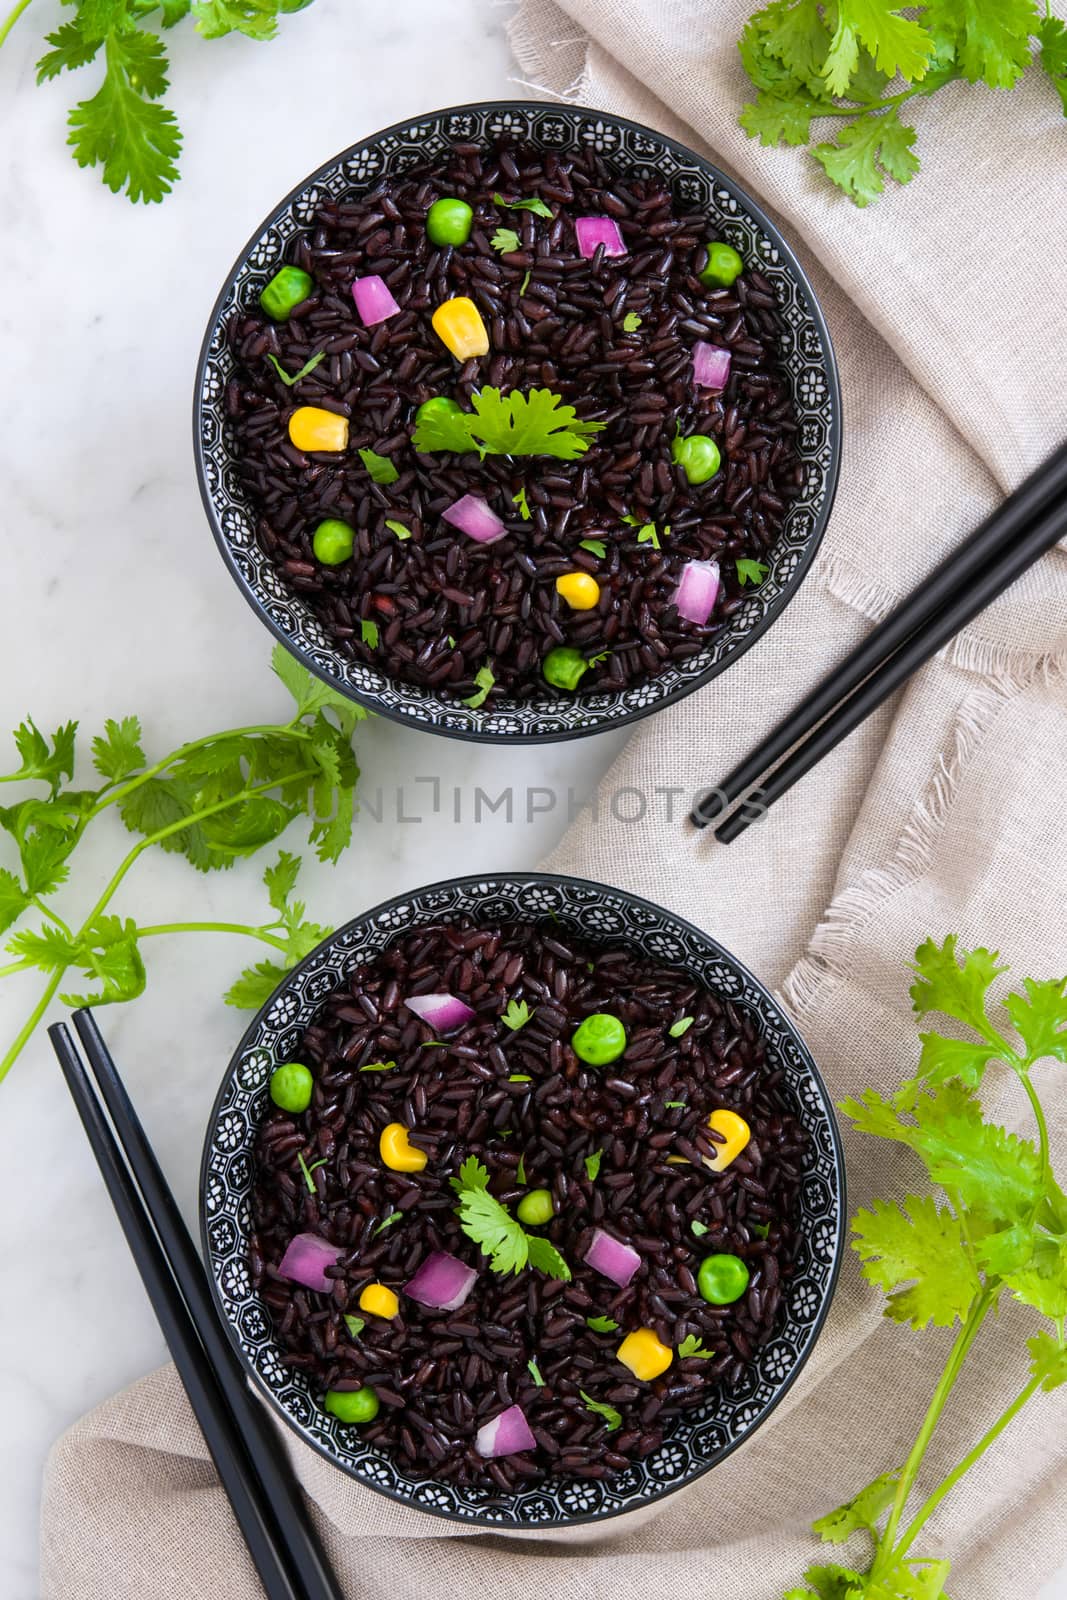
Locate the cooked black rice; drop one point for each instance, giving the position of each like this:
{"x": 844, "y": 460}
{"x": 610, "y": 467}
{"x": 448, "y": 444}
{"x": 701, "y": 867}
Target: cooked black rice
{"x": 443, "y": 606}
{"x": 440, "y": 1376}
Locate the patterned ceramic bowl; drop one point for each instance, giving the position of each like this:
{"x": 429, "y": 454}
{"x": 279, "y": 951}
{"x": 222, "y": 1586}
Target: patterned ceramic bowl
{"x": 627, "y": 148}
{"x": 694, "y": 1443}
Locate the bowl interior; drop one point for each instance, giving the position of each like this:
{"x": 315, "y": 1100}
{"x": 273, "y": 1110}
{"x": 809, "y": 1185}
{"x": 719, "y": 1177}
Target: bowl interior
{"x": 626, "y": 147}
{"x": 695, "y": 1442}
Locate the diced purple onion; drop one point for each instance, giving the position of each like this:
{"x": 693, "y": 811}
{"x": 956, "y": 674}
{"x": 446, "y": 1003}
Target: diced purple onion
{"x": 697, "y": 591}
{"x": 442, "y": 1282}
{"x": 306, "y": 1260}
{"x": 374, "y": 299}
{"x": 593, "y": 231}
{"x": 505, "y": 1435}
{"x": 711, "y": 365}
{"x": 612, "y": 1258}
{"x": 442, "y": 1012}
{"x": 472, "y": 516}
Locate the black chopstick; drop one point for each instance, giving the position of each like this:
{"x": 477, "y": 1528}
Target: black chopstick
{"x": 998, "y": 576}
{"x": 281, "y": 1491}
{"x": 223, "y": 1442}
{"x": 1035, "y": 495}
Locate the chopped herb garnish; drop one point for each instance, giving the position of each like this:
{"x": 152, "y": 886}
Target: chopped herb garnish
{"x": 307, "y": 1171}
{"x": 674, "y": 1105}
{"x": 648, "y": 534}
{"x": 380, "y": 468}
{"x": 485, "y": 681}
{"x": 436, "y": 1044}
{"x": 751, "y": 571}
{"x": 691, "y": 1346}
{"x": 355, "y": 1326}
{"x": 761, "y": 1229}
{"x": 602, "y": 1324}
{"x": 523, "y": 504}
{"x": 535, "y": 1373}
{"x": 506, "y": 240}
{"x": 490, "y": 1224}
{"x": 537, "y": 423}
{"x": 520, "y": 1170}
{"x": 308, "y": 367}
{"x": 524, "y": 285}
{"x": 378, "y": 1066}
{"x": 592, "y": 1165}
{"x": 699, "y": 1228}
{"x": 683, "y": 1025}
{"x": 517, "y": 1015}
{"x": 520, "y": 1077}
{"x": 369, "y": 633}
{"x": 398, "y": 528}
{"x": 612, "y": 1417}
{"x": 596, "y": 547}
{"x": 538, "y": 207}
{"x": 631, "y": 322}
{"x": 387, "y": 1222}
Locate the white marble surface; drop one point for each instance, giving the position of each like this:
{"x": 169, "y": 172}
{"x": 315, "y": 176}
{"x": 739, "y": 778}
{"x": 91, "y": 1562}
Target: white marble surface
{"x": 123, "y": 607}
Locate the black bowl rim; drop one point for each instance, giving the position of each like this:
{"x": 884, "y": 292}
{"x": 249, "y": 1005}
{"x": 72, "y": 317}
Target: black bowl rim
{"x": 474, "y": 735}
{"x": 532, "y": 880}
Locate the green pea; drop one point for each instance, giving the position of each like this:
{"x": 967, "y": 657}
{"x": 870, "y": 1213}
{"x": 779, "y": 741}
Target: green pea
{"x": 285, "y": 290}
{"x": 722, "y": 1279}
{"x": 536, "y": 1207}
{"x": 722, "y": 265}
{"x": 599, "y": 1039}
{"x": 448, "y": 221}
{"x": 352, "y": 1405}
{"x": 439, "y": 406}
{"x": 564, "y": 668}
{"x": 698, "y": 457}
{"x": 291, "y": 1086}
{"x": 333, "y": 542}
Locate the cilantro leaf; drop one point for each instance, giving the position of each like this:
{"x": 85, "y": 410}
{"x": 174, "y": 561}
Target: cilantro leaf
{"x": 535, "y": 1373}
{"x": 255, "y": 985}
{"x": 312, "y": 694}
{"x": 1041, "y": 1018}
{"x": 699, "y": 1228}
{"x": 898, "y": 44}
{"x": 256, "y": 18}
{"x": 306, "y": 1172}
{"x": 506, "y": 240}
{"x": 774, "y": 119}
{"x": 520, "y": 1170}
{"x": 677, "y": 1029}
{"x": 108, "y": 953}
{"x": 49, "y": 764}
{"x": 631, "y": 322}
{"x": 861, "y": 1512}
{"x": 523, "y": 504}
{"x": 691, "y": 1346}
{"x": 305, "y": 371}
{"x": 596, "y": 547}
{"x": 121, "y": 128}
{"x": 71, "y": 48}
{"x": 990, "y": 39}
{"x": 355, "y": 1326}
{"x": 386, "y": 1222}
{"x": 485, "y": 680}
{"x": 493, "y": 1229}
{"x": 919, "y": 1253}
{"x": 13, "y": 899}
{"x": 1044, "y": 1285}
{"x": 955, "y": 982}
{"x": 538, "y": 207}
{"x": 517, "y": 1015}
{"x": 537, "y": 423}
{"x": 280, "y": 880}
{"x": 867, "y": 151}
{"x": 592, "y": 1165}
{"x": 401, "y": 530}
{"x": 445, "y": 430}
{"x": 943, "y": 1059}
{"x": 381, "y": 469}
{"x": 472, "y": 1175}
{"x": 379, "y": 1066}
{"x": 546, "y": 1258}
{"x": 602, "y": 1324}
{"x": 612, "y": 1418}
{"x": 1048, "y": 1360}
{"x": 117, "y": 752}
{"x": 47, "y": 947}
{"x": 751, "y": 571}
{"x": 1053, "y": 36}
{"x": 368, "y": 632}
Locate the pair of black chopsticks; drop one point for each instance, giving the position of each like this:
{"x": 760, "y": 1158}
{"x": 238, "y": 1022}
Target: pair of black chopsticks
{"x": 248, "y": 1457}
{"x": 1011, "y": 538}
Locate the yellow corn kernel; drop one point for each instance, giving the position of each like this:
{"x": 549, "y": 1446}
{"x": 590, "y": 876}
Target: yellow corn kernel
{"x": 397, "y": 1152}
{"x": 311, "y": 428}
{"x": 379, "y": 1301}
{"x": 735, "y": 1130}
{"x": 580, "y": 591}
{"x": 645, "y": 1356}
{"x": 458, "y": 324}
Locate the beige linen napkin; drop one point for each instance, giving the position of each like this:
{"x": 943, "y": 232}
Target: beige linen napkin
{"x": 944, "y": 814}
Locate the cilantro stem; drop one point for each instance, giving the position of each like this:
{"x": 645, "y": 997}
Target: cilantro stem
{"x": 31, "y": 1022}
{"x": 16, "y": 966}
{"x": 862, "y": 107}
{"x": 1042, "y": 1130}
{"x": 106, "y": 799}
{"x": 52, "y": 916}
{"x": 950, "y": 1480}
{"x": 211, "y": 927}
{"x": 956, "y": 1357}
{"x": 7, "y": 26}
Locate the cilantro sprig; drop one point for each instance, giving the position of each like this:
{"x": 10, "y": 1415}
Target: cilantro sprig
{"x": 994, "y": 1228}
{"x": 123, "y": 128}
{"x": 213, "y": 800}
{"x": 536, "y": 423}
{"x": 490, "y": 1224}
{"x": 846, "y": 62}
